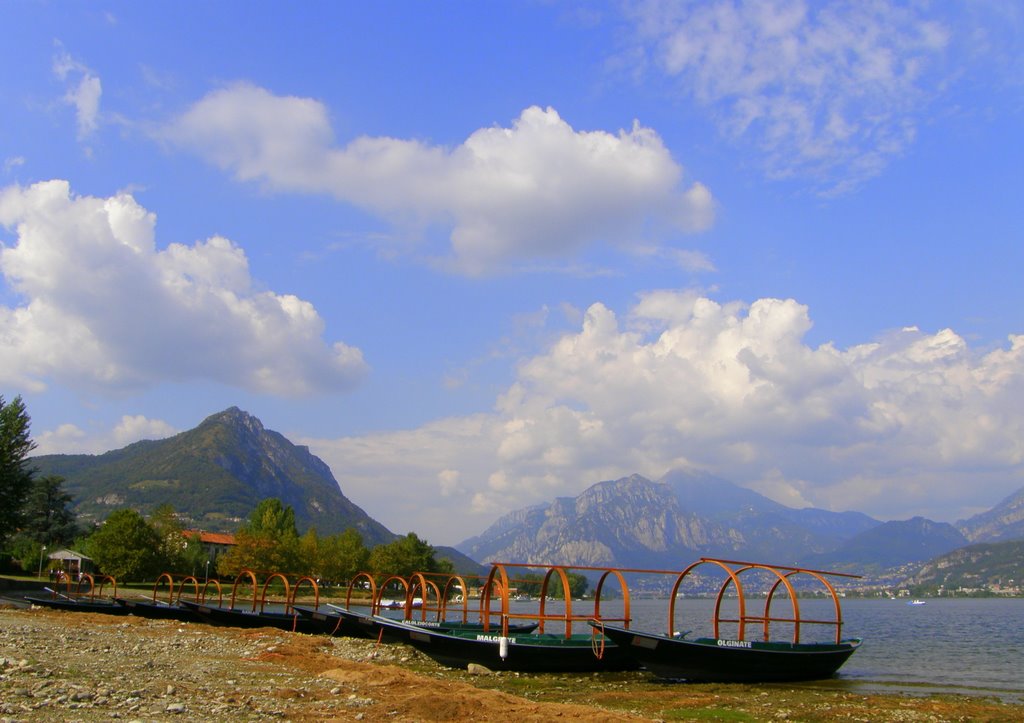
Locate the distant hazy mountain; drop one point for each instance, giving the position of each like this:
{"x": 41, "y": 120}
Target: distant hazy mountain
{"x": 892, "y": 544}
{"x": 1005, "y": 521}
{"x": 766, "y": 524}
{"x": 634, "y": 522}
{"x": 215, "y": 474}
{"x": 631, "y": 520}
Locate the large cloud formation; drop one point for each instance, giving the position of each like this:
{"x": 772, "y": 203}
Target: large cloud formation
{"x": 105, "y": 308}
{"x": 539, "y": 189}
{"x": 829, "y": 90}
{"x": 912, "y": 423}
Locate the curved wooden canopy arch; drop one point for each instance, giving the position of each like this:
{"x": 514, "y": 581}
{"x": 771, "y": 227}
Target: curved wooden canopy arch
{"x": 783, "y": 574}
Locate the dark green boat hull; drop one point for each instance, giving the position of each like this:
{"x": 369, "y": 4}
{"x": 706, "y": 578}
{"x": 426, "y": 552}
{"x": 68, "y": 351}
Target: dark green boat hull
{"x": 710, "y": 660}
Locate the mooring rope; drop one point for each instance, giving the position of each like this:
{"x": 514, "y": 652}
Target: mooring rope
{"x": 597, "y": 647}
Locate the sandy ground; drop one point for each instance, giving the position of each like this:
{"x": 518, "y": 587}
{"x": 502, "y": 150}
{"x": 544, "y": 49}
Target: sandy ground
{"x": 57, "y": 666}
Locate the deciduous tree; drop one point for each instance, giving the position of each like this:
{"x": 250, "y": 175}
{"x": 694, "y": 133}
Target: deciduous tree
{"x": 180, "y": 554}
{"x": 126, "y": 547}
{"x": 344, "y": 555}
{"x": 405, "y": 556}
{"x": 268, "y": 542}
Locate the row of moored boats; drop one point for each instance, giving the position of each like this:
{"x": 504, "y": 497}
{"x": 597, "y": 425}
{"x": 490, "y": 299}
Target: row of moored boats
{"x": 496, "y": 632}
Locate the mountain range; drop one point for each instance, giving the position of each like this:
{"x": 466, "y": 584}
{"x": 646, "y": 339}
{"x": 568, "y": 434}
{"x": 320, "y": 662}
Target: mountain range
{"x": 639, "y": 523}
{"x": 215, "y": 474}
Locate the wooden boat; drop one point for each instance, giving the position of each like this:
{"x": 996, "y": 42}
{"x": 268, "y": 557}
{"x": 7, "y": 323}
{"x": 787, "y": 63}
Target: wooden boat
{"x": 159, "y": 610}
{"x": 517, "y": 641}
{"x": 88, "y": 599}
{"x": 365, "y": 601}
{"x": 734, "y": 661}
{"x": 467, "y": 627}
{"x": 79, "y": 605}
{"x": 240, "y": 618}
{"x": 336, "y": 620}
{"x": 529, "y": 652}
{"x": 739, "y": 659}
{"x": 257, "y": 614}
{"x": 171, "y": 608}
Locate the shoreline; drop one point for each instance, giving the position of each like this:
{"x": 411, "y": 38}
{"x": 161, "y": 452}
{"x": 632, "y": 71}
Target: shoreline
{"x": 90, "y": 666}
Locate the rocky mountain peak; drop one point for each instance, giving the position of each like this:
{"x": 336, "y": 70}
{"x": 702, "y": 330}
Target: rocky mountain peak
{"x": 1005, "y": 521}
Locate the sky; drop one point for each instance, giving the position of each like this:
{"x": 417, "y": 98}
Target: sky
{"x": 477, "y": 256}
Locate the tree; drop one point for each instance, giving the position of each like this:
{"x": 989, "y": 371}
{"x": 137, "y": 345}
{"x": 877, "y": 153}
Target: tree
{"x": 577, "y": 585}
{"x": 268, "y": 542}
{"x": 343, "y": 556}
{"x": 531, "y": 583}
{"x": 48, "y": 519}
{"x": 334, "y": 559}
{"x": 15, "y": 474}
{"x": 179, "y": 553}
{"x": 310, "y": 554}
{"x": 405, "y": 556}
{"x": 126, "y": 547}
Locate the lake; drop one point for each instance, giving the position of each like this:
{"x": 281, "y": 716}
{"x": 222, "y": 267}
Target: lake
{"x": 973, "y": 646}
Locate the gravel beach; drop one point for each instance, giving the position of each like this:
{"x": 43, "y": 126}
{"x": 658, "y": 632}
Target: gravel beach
{"x": 58, "y": 666}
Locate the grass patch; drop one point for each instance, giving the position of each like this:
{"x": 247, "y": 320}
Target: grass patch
{"x": 700, "y": 714}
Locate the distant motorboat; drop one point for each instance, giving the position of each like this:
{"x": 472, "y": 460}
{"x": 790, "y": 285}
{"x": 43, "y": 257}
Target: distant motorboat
{"x": 387, "y": 604}
{"x": 916, "y": 602}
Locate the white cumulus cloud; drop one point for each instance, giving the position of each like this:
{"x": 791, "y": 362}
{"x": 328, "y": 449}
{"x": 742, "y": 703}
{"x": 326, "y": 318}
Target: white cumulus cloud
{"x": 104, "y": 307}
{"x": 71, "y": 439}
{"x": 910, "y": 423}
{"x": 537, "y": 189}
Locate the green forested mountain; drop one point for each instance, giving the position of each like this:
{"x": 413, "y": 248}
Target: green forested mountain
{"x": 214, "y": 475}
{"x": 975, "y": 566}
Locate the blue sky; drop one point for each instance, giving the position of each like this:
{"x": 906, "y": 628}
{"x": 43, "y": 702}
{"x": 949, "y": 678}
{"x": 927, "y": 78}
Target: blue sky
{"x": 479, "y": 255}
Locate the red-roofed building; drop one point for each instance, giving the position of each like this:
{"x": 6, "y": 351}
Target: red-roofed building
{"x": 215, "y": 543}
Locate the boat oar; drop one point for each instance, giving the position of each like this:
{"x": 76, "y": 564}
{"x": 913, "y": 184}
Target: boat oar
{"x": 55, "y": 593}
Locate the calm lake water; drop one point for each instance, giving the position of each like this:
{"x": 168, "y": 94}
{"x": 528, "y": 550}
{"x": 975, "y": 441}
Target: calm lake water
{"x": 969, "y": 646}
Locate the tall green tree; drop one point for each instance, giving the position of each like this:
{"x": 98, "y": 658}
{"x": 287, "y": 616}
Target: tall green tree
{"x": 126, "y": 547}
{"x": 180, "y": 554}
{"x": 310, "y": 554}
{"x": 268, "y": 542}
{"x": 405, "y": 556}
{"x": 47, "y": 516}
{"x": 15, "y": 473}
{"x": 343, "y": 556}
{"x": 336, "y": 558}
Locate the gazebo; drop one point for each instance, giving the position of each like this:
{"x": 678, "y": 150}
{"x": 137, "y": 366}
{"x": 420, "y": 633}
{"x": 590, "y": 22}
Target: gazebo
{"x": 70, "y": 562}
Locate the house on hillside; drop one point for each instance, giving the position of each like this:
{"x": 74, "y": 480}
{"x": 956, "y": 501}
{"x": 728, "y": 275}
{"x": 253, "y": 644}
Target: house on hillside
{"x": 215, "y": 543}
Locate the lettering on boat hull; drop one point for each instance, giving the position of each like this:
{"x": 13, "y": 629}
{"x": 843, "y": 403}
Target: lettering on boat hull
{"x": 734, "y": 644}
